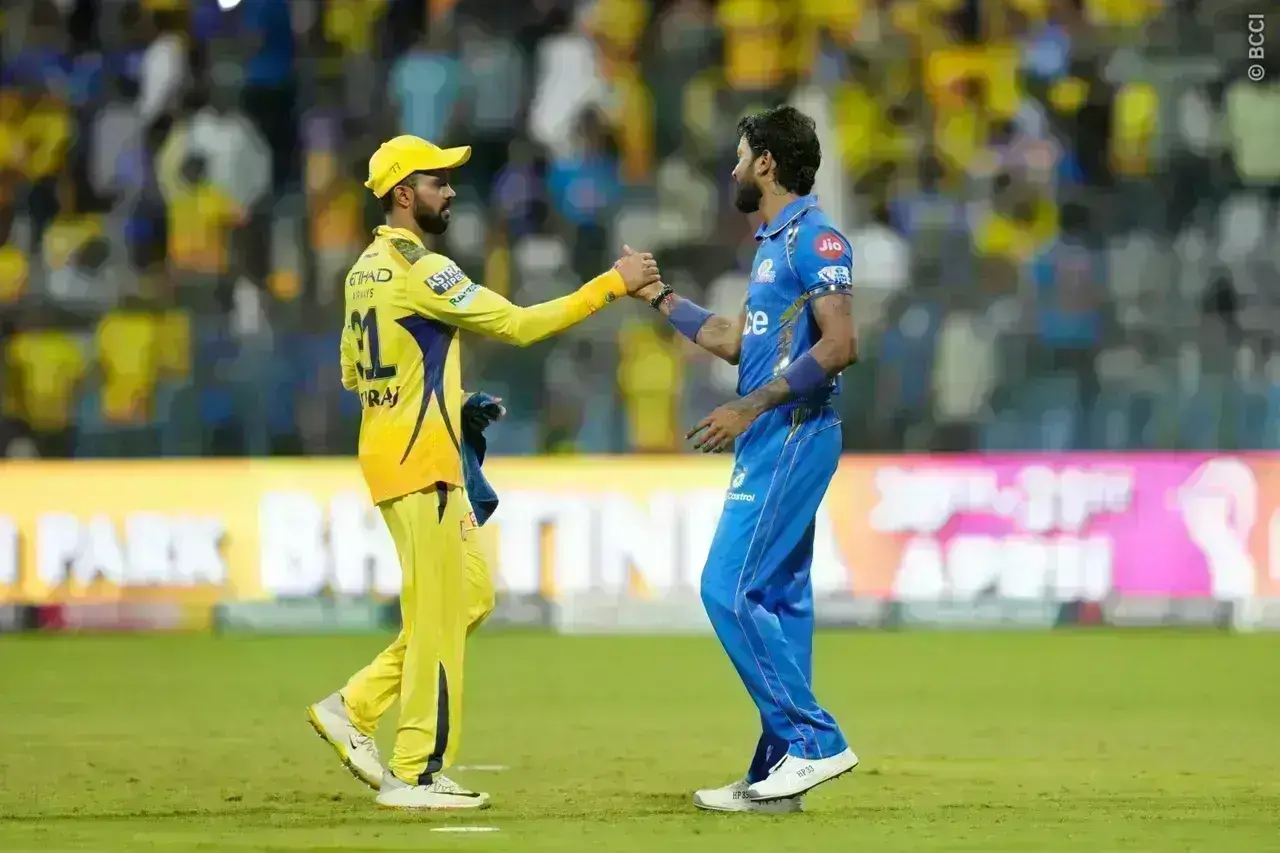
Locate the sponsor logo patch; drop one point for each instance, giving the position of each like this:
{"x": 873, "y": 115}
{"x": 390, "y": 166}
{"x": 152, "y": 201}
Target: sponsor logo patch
{"x": 835, "y": 275}
{"x": 765, "y": 273}
{"x": 445, "y": 280}
{"x": 828, "y": 246}
{"x": 468, "y": 293}
{"x": 358, "y": 277}
{"x": 757, "y": 323}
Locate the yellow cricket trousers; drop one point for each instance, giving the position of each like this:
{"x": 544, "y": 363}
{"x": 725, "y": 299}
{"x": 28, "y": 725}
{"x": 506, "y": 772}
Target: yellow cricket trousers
{"x": 446, "y": 593}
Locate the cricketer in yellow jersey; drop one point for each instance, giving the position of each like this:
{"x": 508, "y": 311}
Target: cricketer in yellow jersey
{"x": 404, "y": 305}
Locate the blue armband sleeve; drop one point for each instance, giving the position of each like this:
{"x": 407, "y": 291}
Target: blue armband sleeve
{"x": 688, "y": 318}
{"x": 806, "y": 376}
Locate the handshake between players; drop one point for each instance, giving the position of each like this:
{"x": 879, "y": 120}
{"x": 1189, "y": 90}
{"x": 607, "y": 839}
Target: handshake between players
{"x": 404, "y": 307}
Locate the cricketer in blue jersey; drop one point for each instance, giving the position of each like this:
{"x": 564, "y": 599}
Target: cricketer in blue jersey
{"x": 794, "y": 337}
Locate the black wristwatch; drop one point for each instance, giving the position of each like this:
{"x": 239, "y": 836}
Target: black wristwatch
{"x": 656, "y": 301}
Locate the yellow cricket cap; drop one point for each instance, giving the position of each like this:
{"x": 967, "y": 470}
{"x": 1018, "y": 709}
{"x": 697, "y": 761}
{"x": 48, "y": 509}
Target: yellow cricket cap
{"x": 398, "y": 158}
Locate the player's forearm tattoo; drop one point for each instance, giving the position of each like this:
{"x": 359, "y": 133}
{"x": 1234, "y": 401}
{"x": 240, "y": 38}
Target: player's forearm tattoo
{"x": 763, "y": 399}
{"x": 715, "y": 333}
{"x": 719, "y": 331}
{"x": 805, "y": 375}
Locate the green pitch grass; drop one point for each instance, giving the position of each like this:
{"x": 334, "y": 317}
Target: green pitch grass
{"x": 980, "y": 742}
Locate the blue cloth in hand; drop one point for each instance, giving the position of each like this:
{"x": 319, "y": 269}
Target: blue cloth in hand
{"x": 478, "y": 412}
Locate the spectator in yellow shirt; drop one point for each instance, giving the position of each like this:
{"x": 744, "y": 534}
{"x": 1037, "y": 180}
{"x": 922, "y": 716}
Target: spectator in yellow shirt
{"x": 1135, "y": 127}
{"x": 825, "y": 19}
{"x": 1121, "y": 13}
{"x": 14, "y": 267}
{"x": 46, "y": 130}
{"x": 46, "y": 366}
{"x": 757, "y": 47}
{"x": 858, "y": 117}
{"x": 961, "y": 123}
{"x": 1021, "y": 224}
{"x": 71, "y": 229}
{"x": 202, "y": 221}
{"x": 617, "y": 26}
{"x": 46, "y": 136}
{"x": 127, "y": 343}
{"x": 335, "y": 211}
{"x": 650, "y": 375}
{"x": 351, "y": 24}
{"x": 12, "y": 143}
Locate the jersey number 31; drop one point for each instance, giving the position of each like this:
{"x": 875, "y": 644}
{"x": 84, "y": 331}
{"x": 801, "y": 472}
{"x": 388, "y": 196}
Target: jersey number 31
{"x": 366, "y": 328}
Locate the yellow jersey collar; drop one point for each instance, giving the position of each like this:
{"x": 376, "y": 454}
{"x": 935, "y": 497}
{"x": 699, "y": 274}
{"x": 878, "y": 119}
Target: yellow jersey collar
{"x": 388, "y": 231}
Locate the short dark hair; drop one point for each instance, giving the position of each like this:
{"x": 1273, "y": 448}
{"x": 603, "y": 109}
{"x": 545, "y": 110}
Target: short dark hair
{"x": 791, "y": 137}
{"x": 389, "y": 197}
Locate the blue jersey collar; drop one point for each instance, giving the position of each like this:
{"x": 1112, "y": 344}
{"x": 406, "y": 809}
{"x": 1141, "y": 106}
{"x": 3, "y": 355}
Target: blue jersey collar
{"x": 788, "y": 214}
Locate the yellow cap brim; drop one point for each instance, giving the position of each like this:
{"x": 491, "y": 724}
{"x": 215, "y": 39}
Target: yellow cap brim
{"x": 450, "y": 158}
{"x": 423, "y": 161}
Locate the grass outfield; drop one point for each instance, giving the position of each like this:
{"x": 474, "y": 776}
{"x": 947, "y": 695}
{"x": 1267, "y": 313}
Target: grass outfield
{"x": 983, "y": 742}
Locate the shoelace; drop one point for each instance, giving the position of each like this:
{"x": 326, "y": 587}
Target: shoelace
{"x": 360, "y": 741}
{"x": 445, "y": 785}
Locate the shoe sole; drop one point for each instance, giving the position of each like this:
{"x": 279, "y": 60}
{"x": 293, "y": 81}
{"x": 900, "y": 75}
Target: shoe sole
{"x": 804, "y": 791}
{"x": 707, "y": 807}
{"x": 719, "y": 810}
{"x": 477, "y": 808}
{"x": 341, "y": 750}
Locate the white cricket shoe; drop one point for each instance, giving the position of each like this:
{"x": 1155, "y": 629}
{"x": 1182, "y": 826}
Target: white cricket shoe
{"x": 792, "y": 776}
{"x": 355, "y": 749}
{"x": 733, "y": 798}
{"x": 443, "y": 793}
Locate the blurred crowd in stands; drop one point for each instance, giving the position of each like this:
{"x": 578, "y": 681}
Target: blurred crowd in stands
{"x": 1065, "y": 213}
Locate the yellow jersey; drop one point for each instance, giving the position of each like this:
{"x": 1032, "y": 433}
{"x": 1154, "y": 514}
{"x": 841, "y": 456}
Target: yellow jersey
{"x": 404, "y": 306}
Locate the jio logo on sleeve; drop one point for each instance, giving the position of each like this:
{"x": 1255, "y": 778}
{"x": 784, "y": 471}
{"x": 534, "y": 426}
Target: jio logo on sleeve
{"x": 829, "y": 246}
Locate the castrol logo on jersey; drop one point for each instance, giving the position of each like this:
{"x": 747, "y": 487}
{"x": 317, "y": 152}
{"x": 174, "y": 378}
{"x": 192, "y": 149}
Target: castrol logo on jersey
{"x": 829, "y": 246}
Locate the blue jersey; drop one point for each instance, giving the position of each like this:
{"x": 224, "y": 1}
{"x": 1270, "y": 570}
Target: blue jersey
{"x": 801, "y": 256}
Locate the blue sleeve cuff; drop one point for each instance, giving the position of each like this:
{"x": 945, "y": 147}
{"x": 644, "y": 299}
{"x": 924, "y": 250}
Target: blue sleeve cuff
{"x": 688, "y": 318}
{"x": 806, "y": 376}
